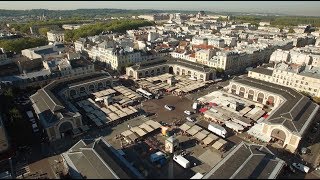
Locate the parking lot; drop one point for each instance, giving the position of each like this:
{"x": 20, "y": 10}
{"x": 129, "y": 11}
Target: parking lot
{"x": 161, "y": 114}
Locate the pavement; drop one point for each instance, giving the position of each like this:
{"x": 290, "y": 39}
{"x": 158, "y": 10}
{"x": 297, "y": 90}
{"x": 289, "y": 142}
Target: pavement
{"x": 161, "y": 114}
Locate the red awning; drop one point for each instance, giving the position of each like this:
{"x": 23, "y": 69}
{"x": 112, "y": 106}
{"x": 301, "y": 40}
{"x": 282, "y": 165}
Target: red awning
{"x": 266, "y": 116}
{"x": 203, "y": 110}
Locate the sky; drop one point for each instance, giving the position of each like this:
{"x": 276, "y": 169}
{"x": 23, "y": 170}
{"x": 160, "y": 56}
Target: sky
{"x": 306, "y": 8}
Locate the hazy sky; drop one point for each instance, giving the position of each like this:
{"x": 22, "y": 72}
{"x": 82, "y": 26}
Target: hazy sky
{"x": 307, "y": 8}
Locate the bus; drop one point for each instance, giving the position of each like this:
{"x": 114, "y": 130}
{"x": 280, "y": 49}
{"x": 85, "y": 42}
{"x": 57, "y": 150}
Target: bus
{"x": 145, "y": 93}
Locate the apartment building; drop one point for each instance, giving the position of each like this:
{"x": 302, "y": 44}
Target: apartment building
{"x": 303, "y": 78}
{"x": 297, "y": 56}
{"x": 204, "y": 55}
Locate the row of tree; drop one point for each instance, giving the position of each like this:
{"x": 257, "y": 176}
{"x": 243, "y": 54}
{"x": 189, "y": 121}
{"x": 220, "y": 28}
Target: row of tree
{"x": 119, "y": 26}
{"x": 25, "y": 27}
{"x": 17, "y": 45}
{"x": 280, "y": 21}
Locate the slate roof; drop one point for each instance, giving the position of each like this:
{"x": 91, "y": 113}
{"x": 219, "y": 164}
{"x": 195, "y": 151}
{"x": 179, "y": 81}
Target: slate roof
{"x": 295, "y": 113}
{"x": 99, "y": 160}
{"x": 247, "y": 161}
{"x": 263, "y": 71}
{"x": 172, "y": 61}
{"x": 48, "y": 103}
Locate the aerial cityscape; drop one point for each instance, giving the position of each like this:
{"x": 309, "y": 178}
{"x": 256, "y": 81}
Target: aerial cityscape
{"x": 159, "y": 90}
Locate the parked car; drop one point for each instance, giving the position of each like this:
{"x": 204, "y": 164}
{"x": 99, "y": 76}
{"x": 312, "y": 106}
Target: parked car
{"x": 301, "y": 167}
{"x": 187, "y": 112}
{"x": 191, "y": 119}
{"x": 32, "y": 120}
{"x": 35, "y": 127}
{"x": 170, "y": 108}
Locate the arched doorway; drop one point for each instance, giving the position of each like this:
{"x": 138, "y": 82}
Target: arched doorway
{"x": 183, "y": 72}
{"x": 131, "y": 73}
{"x": 171, "y": 70}
{"x": 82, "y": 89}
{"x": 260, "y": 98}
{"x": 146, "y": 73}
{"x": 242, "y": 91}
{"x": 233, "y": 89}
{"x": 270, "y": 101}
{"x": 250, "y": 94}
{"x": 278, "y": 136}
{"x": 65, "y": 128}
{"x": 152, "y": 72}
{"x": 100, "y": 85}
{"x": 189, "y": 73}
{"x": 211, "y": 76}
{"x": 91, "y": 87}
{"x": 73, "y": 92}
{"x": 201, "y": 77}
{"x": 108, "y": 83}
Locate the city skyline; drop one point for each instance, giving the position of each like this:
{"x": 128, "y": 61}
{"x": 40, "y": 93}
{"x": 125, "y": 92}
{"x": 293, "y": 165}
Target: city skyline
{"x": 302, "y": 8}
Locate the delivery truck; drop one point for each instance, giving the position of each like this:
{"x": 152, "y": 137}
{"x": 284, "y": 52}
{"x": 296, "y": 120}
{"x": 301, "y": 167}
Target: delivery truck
{"x": 218, "y": 130}
{"x": 182, "y": 161}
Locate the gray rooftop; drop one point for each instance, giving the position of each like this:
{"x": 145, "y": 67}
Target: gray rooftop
{"x": 47, "y": 102}
{"x": 247, "y": 161}
{"x": 297, "y": 110}
{"x": 172, "y": 61}
{"x": 263, "y": 71}
{"x": 97, "y": 159}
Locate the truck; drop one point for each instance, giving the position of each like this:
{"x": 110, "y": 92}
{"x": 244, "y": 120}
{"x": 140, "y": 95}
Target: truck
{"x": 157, "y": 156}
{"x": 182, "y": 161}
{"x": 301, "y": 167}
{"x": 218, "y": 130}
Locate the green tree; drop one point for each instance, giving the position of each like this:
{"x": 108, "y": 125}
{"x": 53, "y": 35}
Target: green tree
{"x": 291, "y": 30}
{"x": 8, "y": 93}
{"x": 23, "y": 43}
{"x": 43, "y": 31}
{"x": 15, "y": 114}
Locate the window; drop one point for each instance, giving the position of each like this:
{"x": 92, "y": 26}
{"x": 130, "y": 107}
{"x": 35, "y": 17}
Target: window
{"x": 306, "y": 83}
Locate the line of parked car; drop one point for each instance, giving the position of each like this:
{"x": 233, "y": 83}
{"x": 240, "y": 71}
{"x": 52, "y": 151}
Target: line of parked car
{"x": 33, "y": 122}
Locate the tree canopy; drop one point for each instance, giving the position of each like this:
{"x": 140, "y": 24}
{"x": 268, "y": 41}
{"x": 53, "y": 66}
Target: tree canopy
{"x": 17, "y": 45}
{"x": 119, "y": 26}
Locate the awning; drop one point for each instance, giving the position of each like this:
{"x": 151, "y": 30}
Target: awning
{"x": 218, "y": 144}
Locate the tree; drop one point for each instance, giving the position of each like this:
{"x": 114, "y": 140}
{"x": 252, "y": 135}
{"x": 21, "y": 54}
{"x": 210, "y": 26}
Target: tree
{"x": 43, "y": 31}
{"x": 14, "y": 114}
{"x": 291, "y": 30}
{"x": 8, "y": 93}
{"x": 17, "y": 45}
